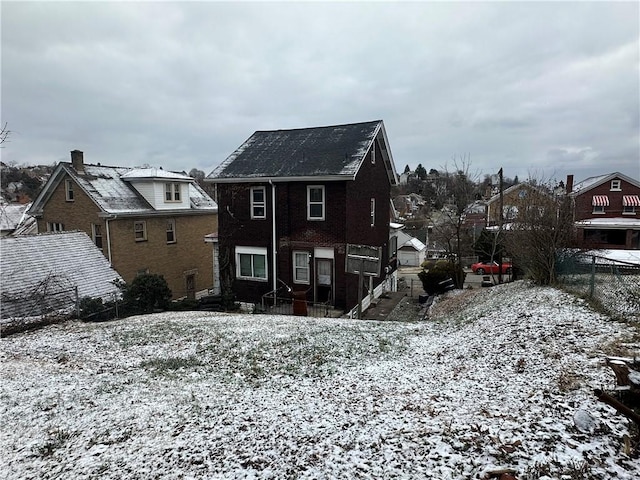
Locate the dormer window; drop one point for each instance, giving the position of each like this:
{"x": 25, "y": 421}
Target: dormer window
{"x": 172, "y": 192}
{"x": 616, "y": 185}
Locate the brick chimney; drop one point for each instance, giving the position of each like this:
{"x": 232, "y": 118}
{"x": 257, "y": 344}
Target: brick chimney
{"x": 569, "y": 186}
{"x": 77, "y": 160}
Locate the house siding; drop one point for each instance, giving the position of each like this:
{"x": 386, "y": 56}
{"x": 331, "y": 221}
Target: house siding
{"x": 602, "y": 237}
{"x": 583, "y": 201}
{"x": 347, "y": 220}
{"x": 190, "y": 254}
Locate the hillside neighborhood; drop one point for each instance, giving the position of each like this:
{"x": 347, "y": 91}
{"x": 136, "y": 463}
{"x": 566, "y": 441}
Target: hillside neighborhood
{"x": 304, "y": 241}
{"x": 318, "y": 214}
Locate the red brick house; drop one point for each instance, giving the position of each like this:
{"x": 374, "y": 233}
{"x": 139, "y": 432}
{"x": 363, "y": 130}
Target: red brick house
{"x": 606, "y": 211}
{"x": 292, "y": 200}
{"x": 144, "y": 220}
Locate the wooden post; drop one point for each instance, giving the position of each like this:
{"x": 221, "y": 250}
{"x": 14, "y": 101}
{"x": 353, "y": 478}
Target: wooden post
{"x": 360, "y": 289}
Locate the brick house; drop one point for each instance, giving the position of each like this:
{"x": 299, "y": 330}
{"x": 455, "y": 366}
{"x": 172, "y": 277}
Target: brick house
{"x": 606, "y": 211}
{"x": 514, "y": 200}
{"x": 291, "y": 201}
{"x": 144, "y": 220}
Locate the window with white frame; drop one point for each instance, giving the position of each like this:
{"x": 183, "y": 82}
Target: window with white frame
{"x": 172, "y": 192}
{"x": 315, "y": 202}
{"x": 251, "y": 263}
{"x": 171, "y": 230}
{"x": 373, "y": 155}
{"x": 301, "y": 267}
{"x": 68, "y": 189}
{"x": 373, "y": 212}
{"x": 616, "y": 185}
{"x": 140, "y": 230}
{"x": 258, "y": 202}
{"x": 55, "y": 227}
{"x": 96, "y": 233}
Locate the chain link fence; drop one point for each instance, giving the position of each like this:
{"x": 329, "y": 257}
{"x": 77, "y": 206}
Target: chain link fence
{"x": 614, "y": 284}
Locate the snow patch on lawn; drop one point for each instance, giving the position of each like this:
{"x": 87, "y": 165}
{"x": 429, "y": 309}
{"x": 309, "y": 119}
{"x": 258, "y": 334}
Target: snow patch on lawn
{"x": 496, "y": 382}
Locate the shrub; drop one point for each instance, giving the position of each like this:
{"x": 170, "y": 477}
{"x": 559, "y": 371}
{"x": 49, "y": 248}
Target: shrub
{"x": 94, "y": 310}
{"x": 145, "y": 294}
{"x": 436, "y": 272}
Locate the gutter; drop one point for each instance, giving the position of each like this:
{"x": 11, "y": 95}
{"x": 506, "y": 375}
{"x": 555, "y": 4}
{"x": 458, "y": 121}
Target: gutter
{"x": 106, "y": 222}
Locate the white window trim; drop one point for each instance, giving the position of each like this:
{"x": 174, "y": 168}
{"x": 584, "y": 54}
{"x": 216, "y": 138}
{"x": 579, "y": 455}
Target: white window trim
{"x": 173, "y": 189}
{"x": 144, "y": 230}
{"x": 262, "y": 204}
{"x": 373, "y": 212}
{"x": 69, "y": 194}
{"x": 630, "y": 212}
{"x": 252, "y": 251}
{"x": 172, "y": 222}
{"x": 598, "y": 212}
{"x": 373, "y": 154}
{"x": 618, "y": 186}
{"x": 296, "y": 267}
{"x": 94, "y": 236}
{"x": 309, "y": 203}
{"x": 55, "y": 227}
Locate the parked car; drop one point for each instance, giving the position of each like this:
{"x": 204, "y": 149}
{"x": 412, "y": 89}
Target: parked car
{"x": 481, "y": 268}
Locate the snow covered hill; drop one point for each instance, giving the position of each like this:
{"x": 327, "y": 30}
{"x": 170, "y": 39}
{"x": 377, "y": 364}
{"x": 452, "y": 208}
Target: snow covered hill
{"x": 497, "y": 378}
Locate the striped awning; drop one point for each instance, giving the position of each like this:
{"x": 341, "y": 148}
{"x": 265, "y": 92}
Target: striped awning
{"x": 630, "y": 201}
{"x": 600, "y": 201}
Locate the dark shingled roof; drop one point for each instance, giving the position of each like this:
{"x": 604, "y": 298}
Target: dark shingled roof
{"x": 337, "y": 150}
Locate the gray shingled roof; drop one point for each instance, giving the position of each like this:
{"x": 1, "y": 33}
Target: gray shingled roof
{"x": 307, "y": 152}
{"x": 110, "y": 188}
{"x": 55, "y": 262}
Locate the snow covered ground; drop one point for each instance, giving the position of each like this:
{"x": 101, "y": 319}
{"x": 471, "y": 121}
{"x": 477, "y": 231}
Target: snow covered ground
{"x": 496, "y": 378}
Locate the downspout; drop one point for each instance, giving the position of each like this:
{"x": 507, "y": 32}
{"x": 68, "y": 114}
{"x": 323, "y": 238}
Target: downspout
{"x": 106, "y": 222}
{"x": 273, "y": 235}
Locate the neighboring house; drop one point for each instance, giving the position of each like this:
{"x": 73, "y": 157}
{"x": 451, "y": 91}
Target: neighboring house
{"x": 14, "y": 220}
{"x": 144, "y": 220}
{"x": 291, "y": 201}
{"x": 408, "y": 205}
{"x": 514, "y": 199}
{"x": 411, "y": 251}
{"x": 48, "y": 273}
{"x": 606, "y": 211}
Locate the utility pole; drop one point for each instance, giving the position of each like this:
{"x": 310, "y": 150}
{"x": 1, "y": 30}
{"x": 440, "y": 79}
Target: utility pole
{"x": 501, "y": 222}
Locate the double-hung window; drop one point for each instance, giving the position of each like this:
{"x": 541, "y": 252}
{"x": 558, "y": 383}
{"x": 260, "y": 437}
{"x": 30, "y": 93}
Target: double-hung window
{"x": 616, "y": 185}
{"x": 258, "y": 202}
{"x": 68, "y": 188}
{"x": 171, "y": 230}
{"x": 172, "y": 192}
{"x": 373, "y": 212}
{"x": 315, "y": 202}
{"x": 96, "y": 231}
{"x": 251, "y": 263}
{"x": 301, "y": 267}
{"x": 140, "y": 230}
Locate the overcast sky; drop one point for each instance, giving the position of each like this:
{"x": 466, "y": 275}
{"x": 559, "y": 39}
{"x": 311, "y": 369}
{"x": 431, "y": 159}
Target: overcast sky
{"x": 541, "y": 89}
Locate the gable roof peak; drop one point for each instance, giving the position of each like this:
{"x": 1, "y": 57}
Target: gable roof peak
{"x": 334, "y": 152}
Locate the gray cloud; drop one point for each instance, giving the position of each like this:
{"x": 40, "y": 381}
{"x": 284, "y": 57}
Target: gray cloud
{"x": 546, "y": 87}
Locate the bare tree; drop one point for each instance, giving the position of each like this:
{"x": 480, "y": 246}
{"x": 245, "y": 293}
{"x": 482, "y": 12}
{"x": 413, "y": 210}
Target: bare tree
{"x": 4, "y": 133}
{"x": 451, "y": 230}
{"x": 542, "y": 228}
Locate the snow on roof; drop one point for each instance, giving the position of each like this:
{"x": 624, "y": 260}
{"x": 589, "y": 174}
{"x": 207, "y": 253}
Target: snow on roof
{"x": 591, "y": 182}
{"x": 112, "y": 190}
{"x": 69, "y": 257}
{"x": 406, "y": 240}
{"x": 627, "y": 256}
{"x": 153, "y": 173}
{"x": 12, "y": 215}
{"x": 318, "y": 151}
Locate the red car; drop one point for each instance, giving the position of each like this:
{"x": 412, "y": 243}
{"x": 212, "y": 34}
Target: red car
{"x": 481, "y": 268}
